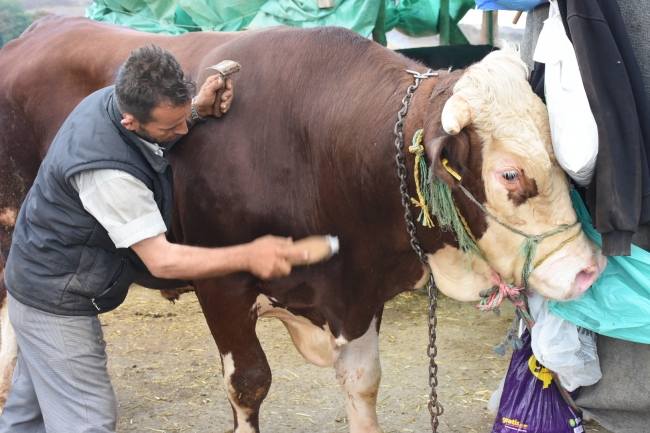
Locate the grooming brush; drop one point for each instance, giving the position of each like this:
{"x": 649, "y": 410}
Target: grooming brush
{"x": 319, "y": 247}
{"x": 226, "y": 68}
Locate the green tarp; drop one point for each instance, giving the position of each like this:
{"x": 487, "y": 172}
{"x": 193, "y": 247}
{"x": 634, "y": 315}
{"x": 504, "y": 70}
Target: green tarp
{"x": 412, "y": 17}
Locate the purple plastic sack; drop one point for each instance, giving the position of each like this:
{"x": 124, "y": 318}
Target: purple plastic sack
{"x": 531, "y": 402}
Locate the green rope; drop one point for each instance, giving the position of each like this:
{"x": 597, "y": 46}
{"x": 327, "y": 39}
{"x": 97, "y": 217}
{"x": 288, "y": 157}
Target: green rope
{"x": 443, "y": 207}
{"x": 421, "y": 180}
{"x": 529, "y": 246}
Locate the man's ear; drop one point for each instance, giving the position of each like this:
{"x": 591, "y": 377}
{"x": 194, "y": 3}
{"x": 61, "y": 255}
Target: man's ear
{"x": 129, "y": 122}
{"x": 453, "y": 148}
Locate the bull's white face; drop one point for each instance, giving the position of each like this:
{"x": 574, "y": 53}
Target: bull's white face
{"x": 524, "y": 185}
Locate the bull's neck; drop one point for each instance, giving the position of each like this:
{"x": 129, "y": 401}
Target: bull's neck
{"x": 414, "y": 119}
{"x": 430, "y": 239}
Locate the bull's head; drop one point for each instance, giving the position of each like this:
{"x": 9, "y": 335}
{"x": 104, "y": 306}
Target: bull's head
{"x": 494, "y": 132}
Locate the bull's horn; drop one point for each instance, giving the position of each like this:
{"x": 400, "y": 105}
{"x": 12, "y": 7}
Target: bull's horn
{"x": 456, "y": 115}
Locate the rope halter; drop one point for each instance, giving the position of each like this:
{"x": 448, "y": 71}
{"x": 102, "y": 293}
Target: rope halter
{"x": 529, "y": 246}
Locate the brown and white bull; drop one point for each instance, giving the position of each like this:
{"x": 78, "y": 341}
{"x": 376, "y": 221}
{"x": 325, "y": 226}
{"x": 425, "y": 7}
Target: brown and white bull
{"x": 307, "y": 148}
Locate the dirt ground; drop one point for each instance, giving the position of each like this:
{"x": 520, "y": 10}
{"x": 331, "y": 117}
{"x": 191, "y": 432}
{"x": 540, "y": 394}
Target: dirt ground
{"x": 167, "y": 374}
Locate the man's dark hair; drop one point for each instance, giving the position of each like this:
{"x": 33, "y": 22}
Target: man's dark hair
{"x": 149, "y": 77}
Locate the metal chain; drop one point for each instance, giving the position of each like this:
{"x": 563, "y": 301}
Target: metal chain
{"x": 435, "y": 408}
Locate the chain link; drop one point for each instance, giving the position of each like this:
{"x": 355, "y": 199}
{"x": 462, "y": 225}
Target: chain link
{"x": 435, "y": 408}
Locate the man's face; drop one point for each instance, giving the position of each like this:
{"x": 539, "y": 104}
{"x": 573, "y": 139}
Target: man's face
{"x": 166, "y": 124}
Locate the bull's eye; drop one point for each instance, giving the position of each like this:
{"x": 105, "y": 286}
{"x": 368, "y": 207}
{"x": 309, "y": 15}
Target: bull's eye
{"x": 510, "y": 175}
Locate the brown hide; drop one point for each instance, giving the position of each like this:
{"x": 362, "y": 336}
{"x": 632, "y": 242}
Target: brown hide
{"x": 307, "y": 148}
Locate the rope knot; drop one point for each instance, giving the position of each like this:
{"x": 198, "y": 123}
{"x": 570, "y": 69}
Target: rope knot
{"x": 418, "y": 149}
{"x": 498, "y": 293}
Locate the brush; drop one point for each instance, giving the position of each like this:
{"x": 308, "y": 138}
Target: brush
{"x": 319, "y": 247}
{"x": 226, "y": 68}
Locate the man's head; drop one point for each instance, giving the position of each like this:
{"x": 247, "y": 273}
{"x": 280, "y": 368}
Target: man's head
{"x": 153, "y": 94}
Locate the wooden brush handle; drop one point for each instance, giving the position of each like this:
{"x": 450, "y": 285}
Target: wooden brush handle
{"x": 319, "y": 247}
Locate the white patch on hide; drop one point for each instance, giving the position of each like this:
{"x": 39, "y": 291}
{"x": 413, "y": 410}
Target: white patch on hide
{"x": 8, "y": 352}
{"x": 358, "y": 372}
{"x": 243, "y": 426}
{"x": 316, "y": 345}
{"x": 453, "y": 280}
{"x": 8, "y": 216}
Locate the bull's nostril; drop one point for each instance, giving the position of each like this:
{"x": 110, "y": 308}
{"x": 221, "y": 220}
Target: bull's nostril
{"x": 590, "y": 269}
{"x": 586, "y": 278}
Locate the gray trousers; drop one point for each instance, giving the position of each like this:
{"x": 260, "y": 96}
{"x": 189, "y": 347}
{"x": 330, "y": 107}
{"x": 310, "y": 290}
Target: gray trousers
{"x": 61, "y": 383}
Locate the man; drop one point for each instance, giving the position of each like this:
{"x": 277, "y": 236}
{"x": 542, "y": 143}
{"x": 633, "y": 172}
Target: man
{"x": 95, "y": 216}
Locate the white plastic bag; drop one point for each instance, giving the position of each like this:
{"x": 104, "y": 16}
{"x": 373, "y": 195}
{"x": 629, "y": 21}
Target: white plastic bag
{"x": 573, "y": 127}
{"x": 563, "y": 347}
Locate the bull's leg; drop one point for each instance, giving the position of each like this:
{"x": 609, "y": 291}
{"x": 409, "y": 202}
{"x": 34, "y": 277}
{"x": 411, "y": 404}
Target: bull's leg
{"x": 358, "y": 371}
{"x": 9, "y": 349}
{"x": 231, "y": 313}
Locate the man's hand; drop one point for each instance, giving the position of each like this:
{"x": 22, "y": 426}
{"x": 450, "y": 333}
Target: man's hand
{"x": 215, "y": 96}
{"x": 271, "y": 257}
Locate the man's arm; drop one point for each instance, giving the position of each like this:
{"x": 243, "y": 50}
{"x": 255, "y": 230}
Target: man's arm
{"x": 267, "y": 257}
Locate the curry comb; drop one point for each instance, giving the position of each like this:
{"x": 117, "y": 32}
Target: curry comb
{"x": 226, "y": 68}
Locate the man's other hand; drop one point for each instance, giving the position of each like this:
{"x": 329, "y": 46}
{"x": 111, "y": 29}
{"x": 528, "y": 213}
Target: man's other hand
{"x": 215, "y": 96}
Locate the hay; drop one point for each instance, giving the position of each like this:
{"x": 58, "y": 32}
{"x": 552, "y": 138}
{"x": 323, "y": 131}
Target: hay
{"x": 167, "y": 373}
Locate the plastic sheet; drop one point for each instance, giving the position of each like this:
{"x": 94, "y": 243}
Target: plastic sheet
{"x": 411, "y": 17}
{"x": 573, "y": 127}
{"x": 563, "y": 347}
{"x": 618, "y": 304}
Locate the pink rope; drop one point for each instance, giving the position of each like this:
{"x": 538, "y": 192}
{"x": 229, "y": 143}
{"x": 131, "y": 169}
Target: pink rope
{"x": 500, "y": 291}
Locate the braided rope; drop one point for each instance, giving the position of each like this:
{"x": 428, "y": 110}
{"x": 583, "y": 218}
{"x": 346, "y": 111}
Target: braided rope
{"x": 421, "y": 175}
{"x": 500, "y": 291}
{"x": 558, "y": 248}
{"x": 529, "y": 247}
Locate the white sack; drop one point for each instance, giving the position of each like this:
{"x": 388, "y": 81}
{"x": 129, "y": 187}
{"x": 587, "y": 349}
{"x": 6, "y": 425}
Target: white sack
{"x": 573, "y": 127}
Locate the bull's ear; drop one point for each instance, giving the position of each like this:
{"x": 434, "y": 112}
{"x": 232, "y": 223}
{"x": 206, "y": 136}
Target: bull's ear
{"x": 455, "y": 150}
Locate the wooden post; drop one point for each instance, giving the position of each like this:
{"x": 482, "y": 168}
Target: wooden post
{"x": 325, "y": 4}
{"x": 379, "y": 32}
{"x": 490, "y": 27}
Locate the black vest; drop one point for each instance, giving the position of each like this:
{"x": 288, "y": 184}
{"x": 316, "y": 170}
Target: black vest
{"x": 62, "y": 260}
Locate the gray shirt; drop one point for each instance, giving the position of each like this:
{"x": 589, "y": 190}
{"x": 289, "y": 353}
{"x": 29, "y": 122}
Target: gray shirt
{"x": 121, "y": 203}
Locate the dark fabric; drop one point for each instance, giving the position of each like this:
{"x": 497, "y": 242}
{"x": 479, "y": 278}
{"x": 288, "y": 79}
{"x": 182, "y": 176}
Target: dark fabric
{"x": 62, "y": 260}
{"x": 620, "y": 401}
{"x": 636, "y": 15}
{"x": 534, "y": 24}
{"x": 619, "y": 195}
{"x": 537, "y": 80}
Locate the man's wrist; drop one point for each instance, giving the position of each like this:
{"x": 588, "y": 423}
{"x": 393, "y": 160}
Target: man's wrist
{"x": 196, "y": 116}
